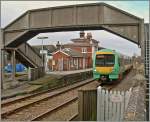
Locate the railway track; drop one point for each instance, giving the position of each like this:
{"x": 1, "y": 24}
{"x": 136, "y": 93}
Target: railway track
{"x": 15, "y": 108}
{"x": 116, "y": 83}
{"x": 108, "y": 86}
{"x": 43, "y": 115}
{"x": 26, "y": 97}
{"x": 22, "y": 108}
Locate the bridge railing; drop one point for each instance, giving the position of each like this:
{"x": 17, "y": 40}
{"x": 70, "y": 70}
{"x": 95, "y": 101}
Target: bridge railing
{"x": 30, "y": 53}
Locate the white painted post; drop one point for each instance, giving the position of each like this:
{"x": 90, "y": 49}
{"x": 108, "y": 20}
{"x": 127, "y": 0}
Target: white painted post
{"x": 122, "y": 106}
{"x": 118, "y": 108}
{"x": 106, "y": 105}
{"x": 98, "y": 103}
{"x": 110, "y": 105}
{"x": 102, "y": 105}
{"x": 114, "y": 108}
{"x": 126, "y": 98}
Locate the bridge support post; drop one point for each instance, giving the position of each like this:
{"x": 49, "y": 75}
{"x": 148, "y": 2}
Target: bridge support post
{"x": 1, "y": 58}
{"x": 13, "y": 59}
{"x": 2, "y": 67}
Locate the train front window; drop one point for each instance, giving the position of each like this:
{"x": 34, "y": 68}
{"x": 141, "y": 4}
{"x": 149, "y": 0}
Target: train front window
{"x": 100, "y": 60}
{"x": 109, "y": 60}
{"x": 105, "y": 60}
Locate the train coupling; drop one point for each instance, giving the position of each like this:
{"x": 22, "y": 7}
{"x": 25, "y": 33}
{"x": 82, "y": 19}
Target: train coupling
{"x": 103, "y": 78}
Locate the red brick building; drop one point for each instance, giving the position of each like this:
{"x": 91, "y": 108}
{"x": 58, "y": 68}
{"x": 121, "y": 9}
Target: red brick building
{"x": 86, "y": 46}
{"x": 75, "y": 55}
{"x": 67, "y": 59}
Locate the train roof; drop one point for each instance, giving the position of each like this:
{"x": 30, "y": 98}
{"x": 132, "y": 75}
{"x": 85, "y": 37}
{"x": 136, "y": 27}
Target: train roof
{"x": 113, "y": 51}
{"x": 106, "y": 50}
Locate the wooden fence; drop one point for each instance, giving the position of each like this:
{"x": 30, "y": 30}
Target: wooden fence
{"x": 111, "y": 105}
{"x": 35, "y": 73}
{"x": 102, "y": 105}
{"x": 87, "y": 105}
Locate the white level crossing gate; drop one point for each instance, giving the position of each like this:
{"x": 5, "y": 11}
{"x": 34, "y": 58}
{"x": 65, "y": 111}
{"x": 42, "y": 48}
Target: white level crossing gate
{"x": 111, "y": 105}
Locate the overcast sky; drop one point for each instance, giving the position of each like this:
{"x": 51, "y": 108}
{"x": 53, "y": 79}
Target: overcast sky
{"x": 12, "y": 9}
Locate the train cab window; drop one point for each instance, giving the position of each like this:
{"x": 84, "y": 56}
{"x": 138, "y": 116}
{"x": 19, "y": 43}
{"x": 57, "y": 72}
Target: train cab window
{"x": 109, "y": 60}
{"x": 100, "y": 60}
{"x": 105, "y": 60}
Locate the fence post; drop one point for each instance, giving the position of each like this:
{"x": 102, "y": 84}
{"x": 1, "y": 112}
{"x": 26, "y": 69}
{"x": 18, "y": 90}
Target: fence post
{"x": 98, "y": 103}
{"x": 87, "y": 105}
{"x": 80, "y": 105}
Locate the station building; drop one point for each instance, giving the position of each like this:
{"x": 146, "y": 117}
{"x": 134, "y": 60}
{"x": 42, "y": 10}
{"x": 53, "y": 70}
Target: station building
{"x": 67, "y": 59}
{"x": 71, "y": 56}
{"x": 75, "y": 55}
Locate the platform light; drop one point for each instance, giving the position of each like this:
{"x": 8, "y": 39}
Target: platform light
{"x": 42, "y": 38}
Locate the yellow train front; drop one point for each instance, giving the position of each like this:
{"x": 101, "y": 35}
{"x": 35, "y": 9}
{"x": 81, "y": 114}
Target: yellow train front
{"x": 109, "y": 66}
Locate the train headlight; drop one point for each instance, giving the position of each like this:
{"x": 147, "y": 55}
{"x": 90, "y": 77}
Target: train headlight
{"x": 95, "y": 70}
{"x": 114, "y": 70}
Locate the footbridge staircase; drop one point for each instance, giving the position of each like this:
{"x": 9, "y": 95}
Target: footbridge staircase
{"x": 28, "y": 55}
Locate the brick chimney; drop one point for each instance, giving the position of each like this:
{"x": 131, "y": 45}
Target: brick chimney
{"x": 58, "y": 45}
{"x": 89, "y": 36}
{"x": 82, "y": 34}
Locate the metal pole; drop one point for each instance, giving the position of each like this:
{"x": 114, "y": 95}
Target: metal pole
{"x": 42, "y": 37}
{"x": 42, "y": 54}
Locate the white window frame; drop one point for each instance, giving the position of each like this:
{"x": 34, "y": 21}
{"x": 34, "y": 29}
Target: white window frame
{"x": 74, "y": 61}
{"x": 84, "y": 50}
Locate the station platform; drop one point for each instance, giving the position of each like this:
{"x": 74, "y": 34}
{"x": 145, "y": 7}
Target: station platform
{"x": 69, "y": 72}
{"x": 26, "y": 87}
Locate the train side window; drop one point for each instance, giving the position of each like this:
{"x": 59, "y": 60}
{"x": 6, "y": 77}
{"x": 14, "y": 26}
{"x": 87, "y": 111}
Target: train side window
{"x": 121, "y": 61}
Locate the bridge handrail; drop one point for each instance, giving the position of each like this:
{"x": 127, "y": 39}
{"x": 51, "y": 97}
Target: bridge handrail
{"x": 30, "y": 53}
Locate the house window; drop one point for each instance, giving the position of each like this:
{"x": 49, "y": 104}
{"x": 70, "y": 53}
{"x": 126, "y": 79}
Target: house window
{"x": 75, "y": 61}
{"x": 84, "y": 50}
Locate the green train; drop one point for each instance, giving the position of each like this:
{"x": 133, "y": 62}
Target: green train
{"x": 110, "y": 66}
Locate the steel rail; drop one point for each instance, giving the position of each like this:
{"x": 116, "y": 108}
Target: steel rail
{"x": 3, "y": 104}
{"x": 5, "y": 114}
{"x": 41, "y": 116}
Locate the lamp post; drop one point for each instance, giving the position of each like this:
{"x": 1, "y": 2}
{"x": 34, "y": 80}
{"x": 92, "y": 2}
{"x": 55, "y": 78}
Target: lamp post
{"x": 42, "y": 38}
{"x": 84, "y": 56}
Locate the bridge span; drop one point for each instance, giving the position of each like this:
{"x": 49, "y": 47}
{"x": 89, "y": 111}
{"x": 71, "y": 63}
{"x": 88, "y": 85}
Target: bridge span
{"x": 97, "y": 16}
